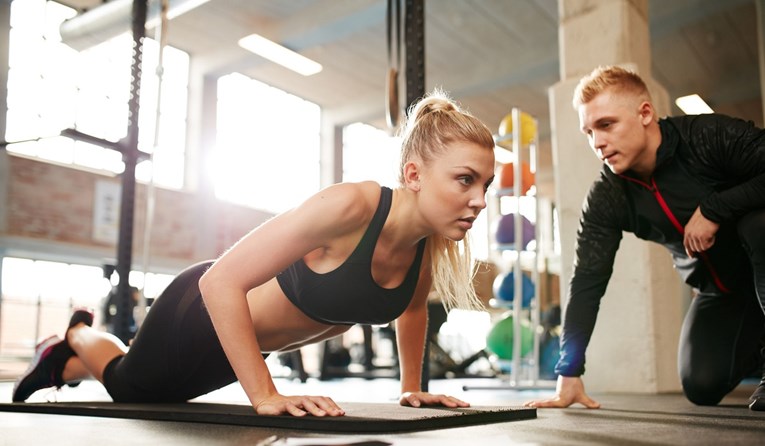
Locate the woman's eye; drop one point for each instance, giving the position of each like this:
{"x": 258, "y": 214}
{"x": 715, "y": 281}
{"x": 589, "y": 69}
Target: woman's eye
{"x": 466, "y": 180}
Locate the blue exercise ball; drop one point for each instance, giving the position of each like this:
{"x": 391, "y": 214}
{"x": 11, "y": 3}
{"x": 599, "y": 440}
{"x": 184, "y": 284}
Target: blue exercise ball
{"x": 504, "y": 289}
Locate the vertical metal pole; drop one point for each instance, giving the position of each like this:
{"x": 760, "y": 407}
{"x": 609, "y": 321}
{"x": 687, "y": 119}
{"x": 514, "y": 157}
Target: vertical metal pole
{"x": 5, "y": 32}
{"x": 536, "y": 302}
{"x": 130, "y": 157}
{"x": 760, "y": 7}
{"x": 38, "y": 316}
{"x": 515, "y": 372}
{"x": 414, "y": 28}
{"x": 414, "y": 40}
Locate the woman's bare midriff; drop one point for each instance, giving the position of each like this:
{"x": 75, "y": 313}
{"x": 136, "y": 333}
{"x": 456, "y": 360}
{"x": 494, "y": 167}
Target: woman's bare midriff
{"x": 279, "y": 325}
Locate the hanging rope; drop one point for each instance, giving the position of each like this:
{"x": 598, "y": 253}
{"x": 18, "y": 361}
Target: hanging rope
{"x": 161, "y": 37}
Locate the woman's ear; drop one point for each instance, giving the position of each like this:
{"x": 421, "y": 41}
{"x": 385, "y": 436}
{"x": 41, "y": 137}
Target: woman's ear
{"x": 412, "y": 176}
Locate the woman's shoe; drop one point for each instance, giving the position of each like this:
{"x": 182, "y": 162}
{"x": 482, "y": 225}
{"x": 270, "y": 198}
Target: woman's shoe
{"x": 45, "y": 370}
{"x": 48, "y": 363}
{"x": 82, "y": 314}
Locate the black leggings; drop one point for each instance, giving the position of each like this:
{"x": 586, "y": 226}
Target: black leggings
{"x": 751, "y": 230}
{"x": 176, "y": 355}
{"x": 722, "y": 334}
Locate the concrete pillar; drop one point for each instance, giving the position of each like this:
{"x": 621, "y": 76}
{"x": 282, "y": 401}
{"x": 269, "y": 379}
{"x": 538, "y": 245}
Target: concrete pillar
{"x": 634, "y": 346}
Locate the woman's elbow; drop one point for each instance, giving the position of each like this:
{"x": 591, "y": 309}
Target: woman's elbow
{"x": 207, "y": 284}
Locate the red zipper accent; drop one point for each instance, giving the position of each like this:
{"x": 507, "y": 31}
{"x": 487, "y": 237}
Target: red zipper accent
{"x": 665, "y": 207}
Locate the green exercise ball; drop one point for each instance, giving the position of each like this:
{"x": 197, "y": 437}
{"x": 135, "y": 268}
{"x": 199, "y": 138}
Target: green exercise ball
{"x": 500, "y": 338}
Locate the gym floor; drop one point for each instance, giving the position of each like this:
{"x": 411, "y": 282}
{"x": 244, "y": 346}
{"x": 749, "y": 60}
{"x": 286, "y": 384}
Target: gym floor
{"x": 624, "y": 419}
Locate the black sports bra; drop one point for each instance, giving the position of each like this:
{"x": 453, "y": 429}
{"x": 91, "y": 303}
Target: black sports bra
{"x": 348, "y": 294}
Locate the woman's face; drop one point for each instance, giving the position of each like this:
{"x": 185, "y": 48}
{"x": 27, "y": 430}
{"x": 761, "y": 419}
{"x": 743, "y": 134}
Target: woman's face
{"x": 453, "y": 188}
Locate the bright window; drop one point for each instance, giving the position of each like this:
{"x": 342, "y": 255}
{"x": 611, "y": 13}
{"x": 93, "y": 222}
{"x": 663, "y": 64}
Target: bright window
{"x": 38, "y": 297}
{"x": 52, "y": 87}
{"x": 370, "y": 154}
{"x": 267, "y": 152}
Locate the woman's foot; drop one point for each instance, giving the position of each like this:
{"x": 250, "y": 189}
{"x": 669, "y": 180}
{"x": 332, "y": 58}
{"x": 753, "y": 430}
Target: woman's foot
{"x": 51, "y": 355}
{"x": 45, "y": 370}
{"x": 82, "y": 314}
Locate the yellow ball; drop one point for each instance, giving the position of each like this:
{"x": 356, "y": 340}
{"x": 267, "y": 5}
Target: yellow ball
{"x": 528, "y": 129}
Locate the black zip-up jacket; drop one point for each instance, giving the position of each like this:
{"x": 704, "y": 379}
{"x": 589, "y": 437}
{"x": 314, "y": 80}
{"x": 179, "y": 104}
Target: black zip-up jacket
{"x": 712, "y": 161}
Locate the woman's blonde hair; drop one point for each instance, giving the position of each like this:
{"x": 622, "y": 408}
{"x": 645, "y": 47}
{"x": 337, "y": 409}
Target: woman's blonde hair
{"x": 609, "y": 77}
{"x": 434, "y": 123}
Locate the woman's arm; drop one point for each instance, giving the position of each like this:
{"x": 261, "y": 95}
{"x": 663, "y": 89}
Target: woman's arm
{"x": 410, "y": 335}
{"x": 256, "y": 259}
{"x": 411, "y": 328}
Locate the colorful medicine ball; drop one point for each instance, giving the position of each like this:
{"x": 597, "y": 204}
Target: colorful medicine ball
{"x": 507, "y": 177}
{"x": 505, "y": 231}
{"x": 500, "y": 338}
{"x": 528, "y": 129}
{"x": 504, "y": 289}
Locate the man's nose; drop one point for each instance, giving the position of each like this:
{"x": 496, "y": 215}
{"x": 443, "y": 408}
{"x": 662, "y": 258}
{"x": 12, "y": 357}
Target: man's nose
{"x": 598, "y": 143}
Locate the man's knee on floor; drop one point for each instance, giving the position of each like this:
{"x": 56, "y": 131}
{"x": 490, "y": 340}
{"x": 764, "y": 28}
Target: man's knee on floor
{"x": 704, "y": 390}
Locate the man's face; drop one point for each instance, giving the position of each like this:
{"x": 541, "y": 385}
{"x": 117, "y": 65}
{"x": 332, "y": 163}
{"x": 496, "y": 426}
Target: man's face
{"x": 615, "y": 125}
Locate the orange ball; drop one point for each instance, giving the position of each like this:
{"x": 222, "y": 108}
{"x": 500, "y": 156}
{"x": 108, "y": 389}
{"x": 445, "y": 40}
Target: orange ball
{"x": 507, "y": 177}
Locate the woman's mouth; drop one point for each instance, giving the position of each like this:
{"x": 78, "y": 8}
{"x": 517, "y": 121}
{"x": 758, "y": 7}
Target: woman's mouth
{"x": 466, "y": 223}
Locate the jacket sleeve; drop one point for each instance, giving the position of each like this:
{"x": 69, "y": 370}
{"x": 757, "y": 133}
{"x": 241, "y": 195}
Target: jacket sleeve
{"x": 733, "y": 151}
{"x": 597, "y": 241}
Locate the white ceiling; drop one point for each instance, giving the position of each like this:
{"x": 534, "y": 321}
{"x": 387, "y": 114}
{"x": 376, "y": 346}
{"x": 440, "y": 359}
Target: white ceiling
{"x": 491, "y": 55}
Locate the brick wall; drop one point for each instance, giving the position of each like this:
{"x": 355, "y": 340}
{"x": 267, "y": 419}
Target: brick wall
{"x": 53, "y": 206}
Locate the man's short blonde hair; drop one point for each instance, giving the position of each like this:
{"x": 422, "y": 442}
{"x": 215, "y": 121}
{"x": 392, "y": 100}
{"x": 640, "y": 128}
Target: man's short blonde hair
{"x": 609, "y": 77}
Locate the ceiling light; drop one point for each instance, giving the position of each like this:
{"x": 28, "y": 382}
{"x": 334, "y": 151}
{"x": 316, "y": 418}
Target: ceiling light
{"x": 279, "y": 54}
{"x": 693, "y": 105}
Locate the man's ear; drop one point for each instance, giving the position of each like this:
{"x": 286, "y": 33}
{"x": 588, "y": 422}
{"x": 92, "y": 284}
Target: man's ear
{"x": 647, "y": 114}
{"x": 412, "y": 176}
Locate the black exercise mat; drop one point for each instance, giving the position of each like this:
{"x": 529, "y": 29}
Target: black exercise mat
{"x": 360, "y": 417}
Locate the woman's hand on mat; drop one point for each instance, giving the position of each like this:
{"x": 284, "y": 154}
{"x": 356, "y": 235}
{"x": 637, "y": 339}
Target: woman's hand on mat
{"x": 569, "y": 390}
{"x": 417, "y": 399}
{"x": 299, "y": 405}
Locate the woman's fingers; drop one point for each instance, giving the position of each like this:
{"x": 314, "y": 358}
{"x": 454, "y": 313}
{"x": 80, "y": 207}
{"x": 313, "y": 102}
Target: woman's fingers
{"x": 418, "y": 399}
{"x": 299, "y": 406}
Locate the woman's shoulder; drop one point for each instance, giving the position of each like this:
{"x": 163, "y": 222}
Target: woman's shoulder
{"x": 348, "y": 203}
{"x": 352, "y": 195}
